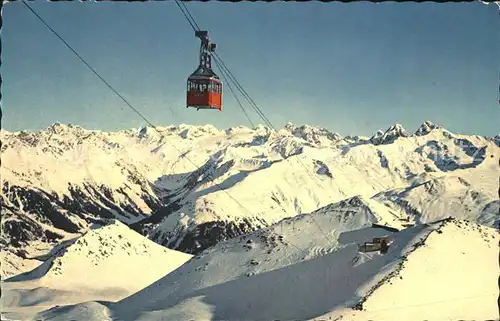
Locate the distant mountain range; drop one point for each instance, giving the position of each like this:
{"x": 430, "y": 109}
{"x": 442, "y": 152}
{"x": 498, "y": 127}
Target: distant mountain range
{"x": 194, "y": 186}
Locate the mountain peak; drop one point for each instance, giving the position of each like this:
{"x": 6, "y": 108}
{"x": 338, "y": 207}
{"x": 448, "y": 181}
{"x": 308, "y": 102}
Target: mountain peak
{"x": 496, "y": 139}
{"x": 100, "y": 248}
{"x": 60, "y": 128}
{"x": 426, "y": 128}
{"x": 143, "y": 131}
{"x": 312, "y": 134}
{"x": 57, "y": 128}
{"x": 390, "y": 135}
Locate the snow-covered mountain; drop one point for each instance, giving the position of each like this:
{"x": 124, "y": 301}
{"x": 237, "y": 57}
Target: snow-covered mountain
{"x": 191, "y": 187}
{"x": 108, "y": 262}
{"x": 290, "y": 271}
{"x": 100, "y": 250}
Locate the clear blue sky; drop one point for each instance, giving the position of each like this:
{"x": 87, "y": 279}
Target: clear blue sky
{"x": 352, "y": 68}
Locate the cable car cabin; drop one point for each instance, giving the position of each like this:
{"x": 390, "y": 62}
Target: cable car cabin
{"x": 204, "y": 88}
{"x": 204, "y": 93}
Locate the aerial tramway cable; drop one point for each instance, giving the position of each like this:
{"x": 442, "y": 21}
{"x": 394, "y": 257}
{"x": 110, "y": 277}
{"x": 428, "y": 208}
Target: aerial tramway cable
{"x": 234, "y": 94}
{"x": 128, "y": 103}
{"x": 222, "y": 66}
{"x": 135, "y": 109}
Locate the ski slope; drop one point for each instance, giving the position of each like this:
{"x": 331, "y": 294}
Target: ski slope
{"x": 452, "y": 277}
{"x": 107, "y": 262}
{"x": 419, "y": 273}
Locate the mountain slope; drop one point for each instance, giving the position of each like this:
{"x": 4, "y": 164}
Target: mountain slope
{"x": 285, "y": 188}
{"x": 330, "y": 284}
{"x": 108, "y": 262}
{"x": 451, "y": 277}
{"x": 101, "y": 250}
{"x": 435, "y": 199}
{"x": 284, "y": 244}
{"x": 14, "y": 263}
{"x": 66, "y": 178}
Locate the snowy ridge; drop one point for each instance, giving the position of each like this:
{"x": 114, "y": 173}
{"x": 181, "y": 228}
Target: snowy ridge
{"x": 390, "y": 135}
{"x": 496, "y": 139}
{"x": 270, "y": 249}
{"x": 15, "y": 262}
{"x": 213, "y": 286}
{"x": 426, "y": 128}
{"x": 67, "y": 178}
{"x": 314, "y": 135}
{"x": 434, "y": 199}
{"x": 108, "y": 262}
{"x": 99, "y": 251}
{"x": 455, "y": 252}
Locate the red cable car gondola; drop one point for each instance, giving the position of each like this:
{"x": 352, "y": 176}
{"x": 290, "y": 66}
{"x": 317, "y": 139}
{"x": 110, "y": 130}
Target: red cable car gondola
{"x": 204, "y": 88}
